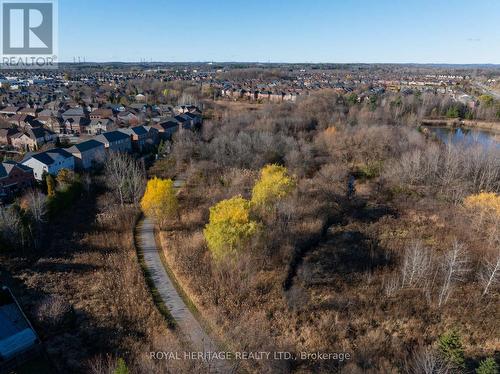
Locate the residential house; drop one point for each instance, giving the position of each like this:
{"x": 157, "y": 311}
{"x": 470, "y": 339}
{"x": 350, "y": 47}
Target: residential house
{"x": 163, "y": 109}
{"x": 6, "y": 135}
{"x": 51, "y": 162}
{"x": 14, "y": 177}
{"x": 181, "y": 109}
{"x": 45, "y": 115}
{"x": 74, "y": 112}
{"x": 128, "y": 118}
{"x": 28, "y": 111}
{"x": 143, "y": 137}
{"x": 32, "y": 139}
{"x": 116, "y": 108}
{"x": 88, "y": 154}
{"x": 167, "y": 128}
{"x": 98, "y": 126}
{"x": 184, "y": 121}
{"x": 101, "y": 113}
{"x": 75, "y": 125}
{"x": 52, "y": 120}
{"x": 20, "y": 119}
{"x": 194, "y": 119}
{"x": 9, "y": 110}
{"x": 75, "y": 120}
{"x": 116, "y": 141}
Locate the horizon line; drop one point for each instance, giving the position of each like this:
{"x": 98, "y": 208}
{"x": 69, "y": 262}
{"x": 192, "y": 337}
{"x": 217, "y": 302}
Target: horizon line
{"x": 280, "y": 62}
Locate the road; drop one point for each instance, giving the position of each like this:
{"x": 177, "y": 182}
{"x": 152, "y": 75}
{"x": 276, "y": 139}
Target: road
{"x": 186, "y": 322}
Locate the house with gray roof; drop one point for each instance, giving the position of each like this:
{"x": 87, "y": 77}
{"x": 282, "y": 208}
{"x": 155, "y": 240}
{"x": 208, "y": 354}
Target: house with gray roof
{"x": 143, "y": 137}
{"x": 50, "y": 162}
{"x": 88, "y": 154}
{"x": 115, "y": 141}
{"x": 98, "y": 126}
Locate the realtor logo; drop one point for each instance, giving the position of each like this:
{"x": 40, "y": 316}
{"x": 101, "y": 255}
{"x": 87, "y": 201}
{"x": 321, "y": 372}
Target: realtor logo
{"x": 29, "y": 34}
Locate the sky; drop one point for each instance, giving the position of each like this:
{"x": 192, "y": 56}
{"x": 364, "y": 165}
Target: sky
{"x": 332, "y": 31}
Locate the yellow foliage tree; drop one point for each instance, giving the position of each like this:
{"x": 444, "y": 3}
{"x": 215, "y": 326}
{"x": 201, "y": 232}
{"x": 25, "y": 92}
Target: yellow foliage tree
{"x": 159, "y": 200}
{"x": 485, "y": 209}
{"x": 65, "y": 177}
{"x": 274, "y": 183}
{"x": 485, "y": 202}
{"x": 229, "y": 226}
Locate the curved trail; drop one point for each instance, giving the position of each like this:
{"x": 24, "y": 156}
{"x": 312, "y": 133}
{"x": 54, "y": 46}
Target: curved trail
{"x": 187, "y": 324}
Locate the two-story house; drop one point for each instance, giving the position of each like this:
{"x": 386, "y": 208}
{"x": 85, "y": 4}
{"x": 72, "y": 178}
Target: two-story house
{"x": 50, "y": 162}
{"x": 88, "y": 154}
{"x": 116, "y": 141}
{"x": 143, "y": 137}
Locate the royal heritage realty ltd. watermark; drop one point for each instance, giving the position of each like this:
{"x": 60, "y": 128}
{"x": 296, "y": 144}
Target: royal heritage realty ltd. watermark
{"x": 240, "y": 356}
{"x": 29, "y": 34}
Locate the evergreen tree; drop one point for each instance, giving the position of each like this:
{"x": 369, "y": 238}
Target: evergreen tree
{"x": 487, "y": 366}
{"x": 121, "y": 367}
{"x": 450, "y": 346}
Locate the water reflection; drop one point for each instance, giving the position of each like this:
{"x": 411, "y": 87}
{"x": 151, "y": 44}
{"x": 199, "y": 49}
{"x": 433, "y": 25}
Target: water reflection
{"x": 466, "y": 136}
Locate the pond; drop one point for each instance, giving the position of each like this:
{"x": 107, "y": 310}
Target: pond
{"x": 465, "y": 136}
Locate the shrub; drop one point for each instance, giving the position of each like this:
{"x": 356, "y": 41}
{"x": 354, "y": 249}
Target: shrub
{"x": 450, "y": 346}
{"x": 66, "y": 177}
{"x": 229, "y": 226}
{"x": 487, "y": 366}
{"x": 274, "y": 184}
{"x": 64, "y": 197}
{"x": 52, "y": 310}
{"x": 371, "y": 169}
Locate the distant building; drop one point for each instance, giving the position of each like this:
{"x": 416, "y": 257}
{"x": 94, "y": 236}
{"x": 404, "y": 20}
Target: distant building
{"x": 6, "y": 135}
{"x": 98, "y": 126}
{"x": 140, "y": 98}
{"x": 32, "y": 139}
{"x": 101, "y": 114}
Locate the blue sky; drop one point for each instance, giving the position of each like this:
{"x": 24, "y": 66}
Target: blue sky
{"x": 393, "y": 31}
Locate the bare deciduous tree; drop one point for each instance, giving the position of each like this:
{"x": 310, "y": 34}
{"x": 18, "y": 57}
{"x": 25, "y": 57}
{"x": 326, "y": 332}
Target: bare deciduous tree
{"x": 36, "y": 205}
{"x": 125, "y": 176}
{"x": 416, "y": 265}
{"x": 11, "y": 230}
{"x": 391, "y": 285}
{"x": 427, "y": 361}
{"x": 102, "y": 364}
{"x": 453, "y": 267}
{"x": 489, "y": 272}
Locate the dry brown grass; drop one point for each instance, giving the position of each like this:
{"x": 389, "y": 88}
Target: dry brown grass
{"x": 92, "y": 270}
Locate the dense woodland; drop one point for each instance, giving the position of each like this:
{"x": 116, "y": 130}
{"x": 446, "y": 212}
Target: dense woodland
{"x": 387, "y": 272}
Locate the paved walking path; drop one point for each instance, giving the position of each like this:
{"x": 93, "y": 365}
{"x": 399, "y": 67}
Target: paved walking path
{"x": 184, "y": 318}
